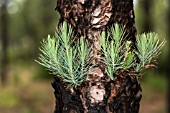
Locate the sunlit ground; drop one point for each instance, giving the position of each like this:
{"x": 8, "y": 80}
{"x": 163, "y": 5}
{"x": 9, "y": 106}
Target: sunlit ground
{"x": 25, "y": 93}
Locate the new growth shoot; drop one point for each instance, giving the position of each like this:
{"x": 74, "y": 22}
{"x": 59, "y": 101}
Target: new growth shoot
{"x": 71, "y": 60}
{"x": 119, "y": 55}
{"x": 61, "y": 57}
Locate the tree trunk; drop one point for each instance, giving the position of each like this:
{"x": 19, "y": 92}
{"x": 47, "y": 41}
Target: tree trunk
{"x": 147, "y": 23}
{"x": 4, "y": 41}
{"x": 98, "y": 94}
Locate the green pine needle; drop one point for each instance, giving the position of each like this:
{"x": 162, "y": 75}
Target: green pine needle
{"x": 148, "y": 48}
{"x": 68, "y": 61}
{"x": 118, "y": 54}
{"x": 112, "y": 50}
{"x": 71, "y": 61}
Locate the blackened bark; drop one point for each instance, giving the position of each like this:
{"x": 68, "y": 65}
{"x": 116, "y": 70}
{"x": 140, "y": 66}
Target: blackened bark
{"x": 123, "y": 13}
{"x": 98, "y": 94}
{"x": 123, "y": 95}
{"x": 66, "y": 102}
{"x": 4, "y": 41}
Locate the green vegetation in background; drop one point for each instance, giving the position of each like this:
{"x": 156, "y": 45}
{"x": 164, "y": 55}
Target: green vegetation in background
{"x": 158, "y": 84}
{"x": 8, "y": 98}
{"x": 32, "y": 20}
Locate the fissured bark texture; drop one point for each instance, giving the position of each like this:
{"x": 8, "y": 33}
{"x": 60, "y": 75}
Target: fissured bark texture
{"x": 98, "y": 94}
{"x": 122, "y": 95}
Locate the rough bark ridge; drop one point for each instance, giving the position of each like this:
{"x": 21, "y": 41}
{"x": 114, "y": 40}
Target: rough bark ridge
{"x": 98, "y": 94}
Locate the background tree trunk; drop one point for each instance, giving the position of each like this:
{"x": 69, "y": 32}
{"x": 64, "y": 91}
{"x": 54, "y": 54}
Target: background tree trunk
{"x": 147, "y": 24}
{"x": 4, "y": 41}
{"x": 89, "y": 18}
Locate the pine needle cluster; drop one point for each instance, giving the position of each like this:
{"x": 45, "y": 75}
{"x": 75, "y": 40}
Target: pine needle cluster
{"x": 148, "y": 49}
{"x": 71, "y": 61}
{"x": 61, "y": 57}
{"x": 119, "y": 55}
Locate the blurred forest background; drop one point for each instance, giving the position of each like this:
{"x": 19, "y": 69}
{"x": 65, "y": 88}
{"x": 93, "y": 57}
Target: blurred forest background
{"x": 25, "y": 86}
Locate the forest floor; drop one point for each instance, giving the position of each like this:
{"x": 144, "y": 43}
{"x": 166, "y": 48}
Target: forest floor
{"x": 26, "y": 94}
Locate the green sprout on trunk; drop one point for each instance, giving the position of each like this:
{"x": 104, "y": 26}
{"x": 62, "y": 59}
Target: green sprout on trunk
{"x": 118, "y": 55}
{"x": 65, "y": 59}
{"x": 148, "y": 49}
{"x": 71, "y": 60}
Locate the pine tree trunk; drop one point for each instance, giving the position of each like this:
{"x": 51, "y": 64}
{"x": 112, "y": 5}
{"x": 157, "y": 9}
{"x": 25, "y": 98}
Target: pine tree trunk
{"x": 98, "y": 94}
